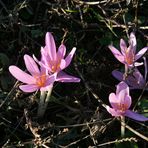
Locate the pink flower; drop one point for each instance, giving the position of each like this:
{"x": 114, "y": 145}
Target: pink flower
{"x": 121, "y": 102}
{"x": 135, "y": 80}
{"x": 54, "y": 61}
{"x": 39, "y": 79}
{"x": 128, "y": 55}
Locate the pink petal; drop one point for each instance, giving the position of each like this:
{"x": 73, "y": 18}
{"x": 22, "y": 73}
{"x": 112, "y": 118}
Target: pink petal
{"x": 31, "y": 65}
{"x": 127, "y": 101}
{"x": 123, "y": 46}
{"x": 63, "y": 64}
{"x": 21, "y": 75}
{"x": 130, "y": 53}
{"x": 113, "y": 100}
{"x": 61, "y": 52}
{"x": 122, "y": 86}
{"x": 132, "y": 41}
{"x": 117, "y": 54}
{"x": 118, "y": 75}
{"x": 131, "y": 81}
{"x": 135, "y": 116}
{"x": 51, "y": 79}
{"x": 139, "y": 77}
{"x": 51, "y": 47}
{"x": 43, "y": 65}
{"x": 45, "y": 56}
{"x": 113, "y": 112}
{"x": 124, "y": 98}
{"x": 141, "y": 53}
{"x": 69, "y": 57}
{"x": 29, "y": 88}
{"x": 63, "y": 77}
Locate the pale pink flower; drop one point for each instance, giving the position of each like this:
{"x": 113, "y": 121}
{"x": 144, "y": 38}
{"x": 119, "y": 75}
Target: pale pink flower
{"x": 55, "y": 61}
{"x": 135, "y": 80}
{"x": 38, "y": 80}
{"x": 128, "y": 55}
{"x": 121, "y": 102}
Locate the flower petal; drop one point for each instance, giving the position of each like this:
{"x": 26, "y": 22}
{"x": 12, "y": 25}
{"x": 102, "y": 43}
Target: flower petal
{"x": 21, "y": 75}
{"x": 141, "y": 53}
{"x": 61, "y": 52}
{"x": 43, "y": 65}
{"x": 44, "y": 55}
{"x": 62, "y": 64}
{"x": 29, "y": 88}
{"x": 113, "y": 100}
{"x": 131, "y": 81}
{"x": 31, "y": 65}
{"x": 51, "y": 79}
{"x": 123, "y": 46}
{"x": 63, "y": 77}
{"x": 127, "y": 101}
{"x": 69, "y": 57}
{"x": 117, "y": 54}
{"x": 135, "y": 116}
{"x": 139, "y": 77}
{"x": 51, "y": 47}
{"x": 113, "y": 112}
{"x": 123, "y": 97}
{"x": 118, "y": 75}
{"x": 132, "y": 41}
{"x": 122, "y": 86}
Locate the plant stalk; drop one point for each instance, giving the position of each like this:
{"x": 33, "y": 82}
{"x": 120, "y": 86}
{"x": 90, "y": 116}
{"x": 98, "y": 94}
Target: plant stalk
{"x": 122, "y": 126}
{"x": 43, "y": 102}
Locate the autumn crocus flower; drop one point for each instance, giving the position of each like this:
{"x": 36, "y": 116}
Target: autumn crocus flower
{"x": 121, "y": 102}
{"x": 38, "y": 80}
{"x": 135, "y": 80}
{"x": 55, "y": 61}
{"x": 128, "y": 55}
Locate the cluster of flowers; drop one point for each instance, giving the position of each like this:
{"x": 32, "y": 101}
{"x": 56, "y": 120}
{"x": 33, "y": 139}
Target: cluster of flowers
{"x": 46, "y": 71}
{"x": 50, "y": 68}
{"x": 130, "y": 79}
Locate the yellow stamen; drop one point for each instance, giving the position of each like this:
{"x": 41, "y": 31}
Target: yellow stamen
{"x": 55, "y": 67}
{"x": 129, "y": 58}
{"x": 40, "y": 80}
{"x": 122, "y": 107}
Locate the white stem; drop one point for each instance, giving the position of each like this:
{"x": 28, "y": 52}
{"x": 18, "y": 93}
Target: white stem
{"x": 125, "y": 72}
{"x": 41, "y": 104}
{"x": 44, "y": 99}
{"x": 122, "y": 126}
{"x": 48, "y": 95}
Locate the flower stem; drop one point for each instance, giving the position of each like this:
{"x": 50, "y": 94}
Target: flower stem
{"x": 43, "y": 103}
{"x": 125, "y": 72}
{"x": 122, "y": 126}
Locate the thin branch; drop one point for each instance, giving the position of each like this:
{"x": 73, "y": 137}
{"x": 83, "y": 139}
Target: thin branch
{"x": 9, "y": 94}
{"x": 136, "y": 133}
{"x": 89, "y": 89}
{"x": 118, "y": 141}
{"x": 90, "y": 3}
